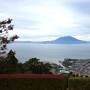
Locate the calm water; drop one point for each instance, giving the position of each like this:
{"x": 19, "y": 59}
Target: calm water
{"x": 50, "y": 52}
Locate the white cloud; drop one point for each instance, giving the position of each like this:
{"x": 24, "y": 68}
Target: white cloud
{"x": 53, "y": 17}
{"x": 83, "y": 37}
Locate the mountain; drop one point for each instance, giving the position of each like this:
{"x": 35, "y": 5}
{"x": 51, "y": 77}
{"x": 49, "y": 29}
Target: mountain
{"x": 61, "y": 40}
{"x": 66, "y": 40}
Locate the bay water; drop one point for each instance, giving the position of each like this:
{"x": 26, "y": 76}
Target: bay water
{"x": 50, "y": 52}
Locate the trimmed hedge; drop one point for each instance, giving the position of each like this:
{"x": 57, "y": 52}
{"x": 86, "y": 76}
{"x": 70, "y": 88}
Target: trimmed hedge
{"x": 44, "y": 84}
{"x": 32, "y": 84}
{"x": 79, "y": 84}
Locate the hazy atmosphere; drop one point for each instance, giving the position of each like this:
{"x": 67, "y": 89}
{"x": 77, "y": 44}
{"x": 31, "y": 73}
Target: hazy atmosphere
{"x": 39, "y": 20}
{"x": 51, "y": 48}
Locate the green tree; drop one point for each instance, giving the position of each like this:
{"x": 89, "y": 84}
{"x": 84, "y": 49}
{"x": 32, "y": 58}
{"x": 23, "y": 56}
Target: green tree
{"x": 9, "y": 64}
{"x": 5, "y": 27}
{"x": 11, "y": 59}
{"x": 34, "y": 65}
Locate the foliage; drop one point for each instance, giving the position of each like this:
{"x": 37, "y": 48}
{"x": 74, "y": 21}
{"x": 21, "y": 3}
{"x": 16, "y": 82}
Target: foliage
{"x": 79, "y": 83}
{"x": 5, "y": 26}
{"x": 10, "y": 64}
{"x": 44, "y": 84}
{"x": 36, "y": 66}
{"x": 32, "y": 84}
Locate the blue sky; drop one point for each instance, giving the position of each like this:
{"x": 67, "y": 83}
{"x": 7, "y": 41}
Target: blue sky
{"x": 39, "y": 20}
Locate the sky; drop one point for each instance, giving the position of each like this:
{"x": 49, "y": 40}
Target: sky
{"x": 42, "y": 20}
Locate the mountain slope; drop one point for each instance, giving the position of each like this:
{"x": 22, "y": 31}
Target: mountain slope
{"x": 61, "y": 40}
{"x": 66, "y": 40}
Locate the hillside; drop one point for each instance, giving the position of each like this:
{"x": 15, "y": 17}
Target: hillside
{"x": 60, "y": 40}
{"x": 66, "y": 40}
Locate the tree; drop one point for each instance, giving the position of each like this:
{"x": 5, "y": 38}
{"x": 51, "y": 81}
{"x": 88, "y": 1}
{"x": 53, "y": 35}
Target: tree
{"x": 11, "y": 59}
{"x": 5, "y": 26}
{"x": 8, "y": 61}
{"x": 11, "y": 62}
{"x": 35, "y": 66}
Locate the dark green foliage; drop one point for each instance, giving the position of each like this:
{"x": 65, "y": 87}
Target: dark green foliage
{"x": 36, "y": 66}
{"x": 32, "y": 84}
{"x": 11, "y": 59}
{"x": 80, "y": 84}
{"x": 44, "y": 84}
{"x": 10, "y": 65}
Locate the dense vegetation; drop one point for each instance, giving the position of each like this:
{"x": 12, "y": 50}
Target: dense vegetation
{"x": 10, "y": 64}
{"x": 45, "y": 84}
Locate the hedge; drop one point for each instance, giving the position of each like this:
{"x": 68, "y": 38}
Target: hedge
{"x": 44, "y": 84}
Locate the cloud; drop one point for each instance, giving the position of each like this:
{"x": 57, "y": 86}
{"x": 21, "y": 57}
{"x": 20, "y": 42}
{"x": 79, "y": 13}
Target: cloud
{"x": 85, "y": 37}
{"x": 80, "y": 6}
{"x": 46, "y": 18}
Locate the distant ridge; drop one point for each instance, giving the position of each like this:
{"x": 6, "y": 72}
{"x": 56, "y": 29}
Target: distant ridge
{"x": 66, "y": 40}
{"x": 60, "y": 40}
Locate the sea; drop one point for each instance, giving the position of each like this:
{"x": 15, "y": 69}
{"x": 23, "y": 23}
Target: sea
{"x": 53, "y": 53}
